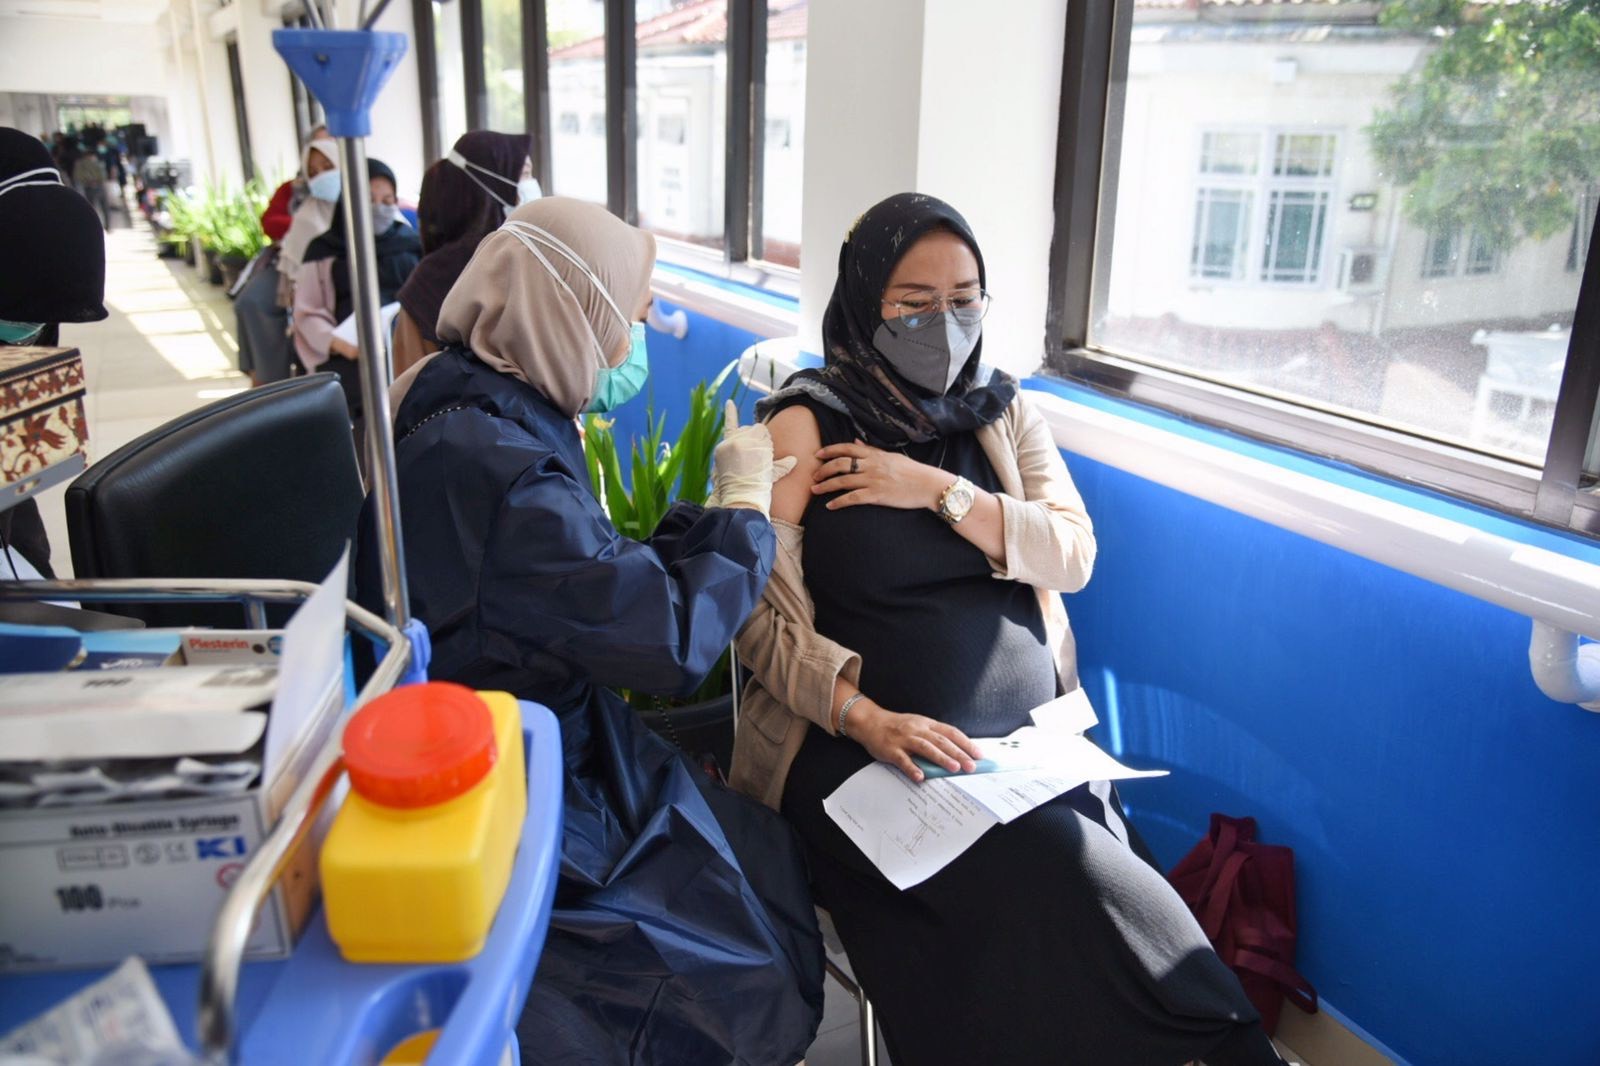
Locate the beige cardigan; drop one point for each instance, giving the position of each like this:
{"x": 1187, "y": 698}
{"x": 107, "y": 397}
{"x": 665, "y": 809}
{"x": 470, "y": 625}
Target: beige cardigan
{"x": 1049, "y": 544}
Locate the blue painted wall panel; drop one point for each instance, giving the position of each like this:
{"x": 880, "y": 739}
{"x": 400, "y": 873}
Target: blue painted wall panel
{"x": 1445, "y": 815}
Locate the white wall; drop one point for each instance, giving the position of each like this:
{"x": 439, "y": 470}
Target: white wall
{"x": 397, "y": 118}
{"x": 269, "y": 103}
{"x": 898, "y": 98}
{"x": 863, "y": 83}
{"x": 63, "y": 56}
{"x": 992, "y": 156}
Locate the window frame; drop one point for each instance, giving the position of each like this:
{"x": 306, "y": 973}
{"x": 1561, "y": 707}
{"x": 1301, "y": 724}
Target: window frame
{"x": 241, "y": 114}
{"x": 1098, "y": 42}
{"x": 740, "y": 258}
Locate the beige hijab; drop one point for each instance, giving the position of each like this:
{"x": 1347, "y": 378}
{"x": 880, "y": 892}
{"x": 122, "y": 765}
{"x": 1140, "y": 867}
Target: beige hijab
{"x": 312, "y": 218}
{"x": 528, "y": 304}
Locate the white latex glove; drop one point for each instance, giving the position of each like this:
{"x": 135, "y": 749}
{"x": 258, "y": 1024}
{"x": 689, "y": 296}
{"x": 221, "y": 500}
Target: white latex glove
{"x": 742, "y": 467}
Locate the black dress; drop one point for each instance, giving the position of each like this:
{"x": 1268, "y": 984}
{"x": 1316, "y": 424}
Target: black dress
{"x": 1051, "y": 940}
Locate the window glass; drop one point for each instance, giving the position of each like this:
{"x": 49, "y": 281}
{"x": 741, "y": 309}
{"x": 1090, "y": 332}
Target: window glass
{"x": 577, "y": 46}
{"x": 502, "y": 65}
{"x": 1382, "y": 211}
{"x": 785, "y": 132}
{"x": 452, "y": 72}
{"x": 683, "y": 117}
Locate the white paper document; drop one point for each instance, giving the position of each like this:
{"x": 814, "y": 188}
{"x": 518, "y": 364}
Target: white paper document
{"x": 1076, "y": 761}
{"x": 909, "y": 831}
{"x": 346, "y": 330}
{"x": 912, "y": 831}
{"x": 312, "y": 676}
{"x": 1072, "y": 713}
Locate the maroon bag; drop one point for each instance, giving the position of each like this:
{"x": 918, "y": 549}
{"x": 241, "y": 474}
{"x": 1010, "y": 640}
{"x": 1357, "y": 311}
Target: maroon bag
{"x": 1242, "y": 893}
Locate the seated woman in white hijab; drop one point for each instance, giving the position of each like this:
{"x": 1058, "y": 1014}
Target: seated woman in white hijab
{"x": 683, "y": 930}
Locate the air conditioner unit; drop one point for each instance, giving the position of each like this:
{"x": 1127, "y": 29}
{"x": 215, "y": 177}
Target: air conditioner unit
{"x": 1363, "y": 269}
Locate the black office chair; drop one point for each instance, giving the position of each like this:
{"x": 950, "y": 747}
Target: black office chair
{"x": 263, "y": 484}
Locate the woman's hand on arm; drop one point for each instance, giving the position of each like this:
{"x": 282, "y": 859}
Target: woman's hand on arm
{"x": 894, "y": 738}
{"x": 864, "y": 474}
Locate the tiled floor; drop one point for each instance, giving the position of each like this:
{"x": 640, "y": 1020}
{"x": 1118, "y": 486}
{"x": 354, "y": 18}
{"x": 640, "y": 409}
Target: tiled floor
{"x": 838, "y": 1040}
{"x": 167, "y": 347}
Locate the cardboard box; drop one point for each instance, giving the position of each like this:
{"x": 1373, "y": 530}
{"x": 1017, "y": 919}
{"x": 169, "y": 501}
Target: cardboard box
{"x": 42, "y": 424}
{"x": 89, "y": 886}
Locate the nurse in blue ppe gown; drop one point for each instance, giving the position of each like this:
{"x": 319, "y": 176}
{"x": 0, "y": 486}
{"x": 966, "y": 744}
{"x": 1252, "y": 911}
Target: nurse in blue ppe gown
{"x": 683, "y": 931}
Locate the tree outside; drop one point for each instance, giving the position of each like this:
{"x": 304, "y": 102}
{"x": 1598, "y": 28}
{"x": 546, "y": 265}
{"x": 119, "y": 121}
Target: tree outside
{"x": 1500, "y": 129}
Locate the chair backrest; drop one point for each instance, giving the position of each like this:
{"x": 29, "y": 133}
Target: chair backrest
{"x": 263, "y": 484}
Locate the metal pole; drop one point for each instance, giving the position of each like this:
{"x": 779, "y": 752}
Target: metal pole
{"x": 375, "y": 377}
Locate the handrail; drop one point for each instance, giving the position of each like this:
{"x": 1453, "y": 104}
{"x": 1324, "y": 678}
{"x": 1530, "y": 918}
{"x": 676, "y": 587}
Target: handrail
{"x": 1559, "y": 593}
{"x": 219, "y": 973}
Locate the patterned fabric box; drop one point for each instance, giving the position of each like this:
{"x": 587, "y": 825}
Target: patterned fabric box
{"x": 41, "y": 416}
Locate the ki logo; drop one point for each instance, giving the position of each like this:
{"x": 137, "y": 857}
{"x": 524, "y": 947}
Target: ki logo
{"x": 219, "y": 847}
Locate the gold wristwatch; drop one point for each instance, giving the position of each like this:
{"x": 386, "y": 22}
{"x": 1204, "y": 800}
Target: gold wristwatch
{"x": 956, "y": 501}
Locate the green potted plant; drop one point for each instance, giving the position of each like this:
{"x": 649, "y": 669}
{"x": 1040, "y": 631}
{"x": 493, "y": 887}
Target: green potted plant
{"x": 180, "y": 219}
{"x": 235, "y": 231}
{"x": 664, "y": 472}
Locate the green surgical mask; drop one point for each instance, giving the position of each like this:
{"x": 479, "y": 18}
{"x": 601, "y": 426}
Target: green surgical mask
{"x": 19, "y": 332}
{"x": 616, "y": 385}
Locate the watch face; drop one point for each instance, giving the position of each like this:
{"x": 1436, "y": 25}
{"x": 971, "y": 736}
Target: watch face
{"x": 958, "y": 501}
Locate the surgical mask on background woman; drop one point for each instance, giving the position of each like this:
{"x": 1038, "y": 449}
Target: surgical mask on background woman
{"x": 527, "y": 189}
{"x": 326, "y": 186}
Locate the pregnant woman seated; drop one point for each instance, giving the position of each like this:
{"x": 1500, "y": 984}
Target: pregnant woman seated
{"x": 924, "y": 539}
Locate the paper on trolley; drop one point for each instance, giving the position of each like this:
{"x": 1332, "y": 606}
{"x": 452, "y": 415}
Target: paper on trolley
{"x": 119, "y": 1018}
{"x": 912, "y": 831}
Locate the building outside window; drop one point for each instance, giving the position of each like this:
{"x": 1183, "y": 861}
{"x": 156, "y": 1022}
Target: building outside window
{"x": 1295, "y": 263}
{"x": 681, "y": 83}
{"x": 682, "y": 79}
{"x": 1455, "y": 251}
{"x": 1291, "y": 188}
{"x": 577, "y": 44}
{"x": 452, "y": 77}
{"x": 1582, "y": 227}
{"x": 785, "y": 125}
{"x": 502, "y": 65}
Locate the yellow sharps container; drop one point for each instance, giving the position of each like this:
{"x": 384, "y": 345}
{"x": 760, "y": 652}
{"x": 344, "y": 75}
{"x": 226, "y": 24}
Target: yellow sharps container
{"x": 420, "y": 854}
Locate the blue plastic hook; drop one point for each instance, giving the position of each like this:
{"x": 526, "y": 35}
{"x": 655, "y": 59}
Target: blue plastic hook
{"x": 344, "y": 69}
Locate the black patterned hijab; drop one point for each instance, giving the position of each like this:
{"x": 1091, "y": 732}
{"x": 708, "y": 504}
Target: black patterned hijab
{"x": 856, "y": 380}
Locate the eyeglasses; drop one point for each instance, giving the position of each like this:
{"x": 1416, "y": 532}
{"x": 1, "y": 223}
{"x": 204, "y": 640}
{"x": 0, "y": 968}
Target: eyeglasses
{"x": 966, "y": 306}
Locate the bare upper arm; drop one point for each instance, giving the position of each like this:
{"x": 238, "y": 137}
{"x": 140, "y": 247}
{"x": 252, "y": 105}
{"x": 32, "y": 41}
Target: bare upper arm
{"x": 794, "y": 432}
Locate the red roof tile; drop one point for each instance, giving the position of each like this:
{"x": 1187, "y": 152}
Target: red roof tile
{"x": 695, "y": 23}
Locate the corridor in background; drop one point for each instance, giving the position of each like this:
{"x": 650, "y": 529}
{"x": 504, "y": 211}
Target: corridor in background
{"x": 166, "y": 348}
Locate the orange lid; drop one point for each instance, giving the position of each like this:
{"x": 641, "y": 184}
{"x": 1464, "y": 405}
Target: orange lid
{"x": 419, "y": 745}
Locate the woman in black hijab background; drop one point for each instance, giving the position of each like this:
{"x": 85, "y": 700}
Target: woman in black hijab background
{"x": 322, "y": 293}
{"x": 465, "y": 197}
{"x": 52, "y": 270}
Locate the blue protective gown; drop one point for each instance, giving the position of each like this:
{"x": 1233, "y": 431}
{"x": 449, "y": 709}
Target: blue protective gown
{"x": 683, "y": 931}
